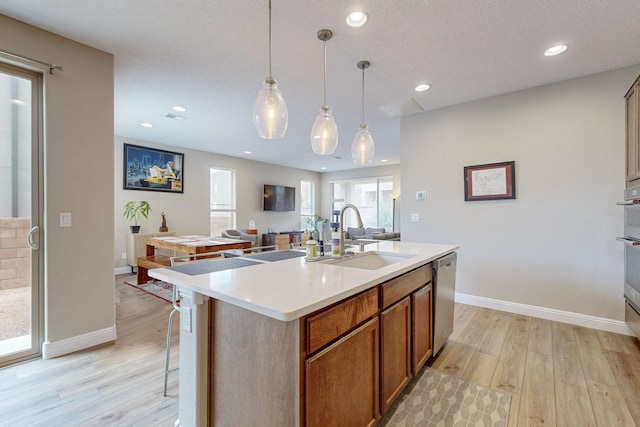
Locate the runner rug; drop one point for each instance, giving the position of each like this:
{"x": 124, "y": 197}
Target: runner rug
{"x": 439, "y": 399}
{"x": 159, "y": 289}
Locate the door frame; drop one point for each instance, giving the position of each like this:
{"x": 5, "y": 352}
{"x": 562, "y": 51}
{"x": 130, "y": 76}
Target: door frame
{"x": 37, "y": 210}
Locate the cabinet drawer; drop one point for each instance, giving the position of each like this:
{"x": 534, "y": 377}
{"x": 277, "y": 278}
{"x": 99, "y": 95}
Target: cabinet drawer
{"x": 329, "y": 324}
{"x": 396, "y": 289}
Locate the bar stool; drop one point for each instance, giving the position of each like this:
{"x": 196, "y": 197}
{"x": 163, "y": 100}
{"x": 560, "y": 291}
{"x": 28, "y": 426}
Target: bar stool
{"x": 175, "y": 300}
{"x": 176, "y": 308}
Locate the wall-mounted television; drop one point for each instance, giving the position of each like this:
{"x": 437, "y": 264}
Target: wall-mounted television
{"x": 278, "y": 198}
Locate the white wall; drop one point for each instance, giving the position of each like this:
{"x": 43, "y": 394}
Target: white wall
{"x": 554, "y": 246}
{"x": 79, "y": 295}
{"x": 188, "y": 213}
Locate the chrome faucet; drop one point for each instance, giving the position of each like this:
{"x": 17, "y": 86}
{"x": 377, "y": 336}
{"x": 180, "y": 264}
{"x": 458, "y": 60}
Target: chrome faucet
{"x": 344, "y": 208}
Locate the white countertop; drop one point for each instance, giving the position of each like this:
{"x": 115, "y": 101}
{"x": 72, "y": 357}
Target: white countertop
{"x": 289, "y": 289}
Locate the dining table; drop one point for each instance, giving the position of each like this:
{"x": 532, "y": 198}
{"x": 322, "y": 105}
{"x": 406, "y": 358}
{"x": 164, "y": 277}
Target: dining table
{"x": 194, "y": 244}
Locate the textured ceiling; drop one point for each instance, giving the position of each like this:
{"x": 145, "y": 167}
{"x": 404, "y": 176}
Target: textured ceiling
{"x": 211, "y": 57}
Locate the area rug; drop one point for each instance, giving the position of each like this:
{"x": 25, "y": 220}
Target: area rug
{"x": 159, "y": 289}
{"x": 438, "y": 399}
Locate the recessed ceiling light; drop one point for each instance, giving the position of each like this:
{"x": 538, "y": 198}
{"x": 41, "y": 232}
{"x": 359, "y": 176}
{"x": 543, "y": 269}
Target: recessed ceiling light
{"x": 247, "y": 152}
{"x": 17, "y": 102}
{"x": 555, "y": 50}
{"x": 146, "y": 125}
{"x": 384, "y": 160}
{"x": 422, "y": 87}
{"x": 323, "y": 168}
{"x": 356, "y": 19}
{"x": 179, "y": 109}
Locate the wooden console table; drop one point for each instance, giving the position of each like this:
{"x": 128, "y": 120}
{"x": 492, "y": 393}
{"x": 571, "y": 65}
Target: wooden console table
{"x": 283, "y": 240}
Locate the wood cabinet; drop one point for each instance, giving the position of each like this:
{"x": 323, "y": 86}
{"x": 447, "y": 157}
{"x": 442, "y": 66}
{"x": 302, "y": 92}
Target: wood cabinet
{"x": 329, "y": 324}
{"x": 421, "y": 326}
{"x": 405, "y": 337}
{"x": 395, "y": 347}
{"x": 342, "y": 381}
{"x": 632, "y": 100}
{"x": 360, "y": 353}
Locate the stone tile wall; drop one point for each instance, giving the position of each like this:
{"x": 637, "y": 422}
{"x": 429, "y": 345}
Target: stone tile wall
{"x": 15, "y": 253}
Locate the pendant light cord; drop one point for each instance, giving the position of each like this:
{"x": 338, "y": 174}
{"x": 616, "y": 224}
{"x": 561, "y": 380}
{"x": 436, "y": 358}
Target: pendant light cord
{"x": 362, "y": 96}
{"x": 325, "y": 74}
{"x": 270, "y": 39}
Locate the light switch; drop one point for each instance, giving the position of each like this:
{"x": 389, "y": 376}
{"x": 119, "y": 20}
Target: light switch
{"x": 415, "y": 217}
{"x": 65, "y": 219}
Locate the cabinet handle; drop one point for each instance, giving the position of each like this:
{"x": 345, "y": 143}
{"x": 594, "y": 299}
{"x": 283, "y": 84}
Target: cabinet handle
{"x": 628, "y": 241}
{"x": 628, "y": 202}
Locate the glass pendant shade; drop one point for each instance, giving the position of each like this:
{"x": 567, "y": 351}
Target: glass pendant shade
{"x": 324, "y": 133}
{"x": 270, "y": 115}
{"x": 363, "y": 148}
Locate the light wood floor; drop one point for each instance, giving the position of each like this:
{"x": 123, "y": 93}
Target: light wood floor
{"x": 558, "y": 374}
{"x": 113, "y": 385}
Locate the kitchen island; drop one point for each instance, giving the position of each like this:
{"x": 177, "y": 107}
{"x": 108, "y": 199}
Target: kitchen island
{"x": 296, "y": 343}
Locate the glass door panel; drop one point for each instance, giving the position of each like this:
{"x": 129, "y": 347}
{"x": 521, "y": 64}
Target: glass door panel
{"x": 20, "y": 308}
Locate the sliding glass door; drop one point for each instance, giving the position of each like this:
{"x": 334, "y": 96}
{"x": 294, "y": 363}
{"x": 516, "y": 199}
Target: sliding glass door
{"x": 20, "y": 207}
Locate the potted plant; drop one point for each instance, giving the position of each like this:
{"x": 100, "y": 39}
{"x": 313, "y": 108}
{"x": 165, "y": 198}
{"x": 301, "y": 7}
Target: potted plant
{"x": 133, "y": 210}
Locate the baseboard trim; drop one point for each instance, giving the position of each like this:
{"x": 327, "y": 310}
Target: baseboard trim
{"x": 122, "y": 270}
{"x": 79, "y": 342}
{"x": 593, "y": 322}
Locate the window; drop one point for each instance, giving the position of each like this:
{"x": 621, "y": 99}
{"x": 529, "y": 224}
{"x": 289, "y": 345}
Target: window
{"x": 372, "y": 196}
{"x": 307, "y": 204}
{"x": 222, "y": 200}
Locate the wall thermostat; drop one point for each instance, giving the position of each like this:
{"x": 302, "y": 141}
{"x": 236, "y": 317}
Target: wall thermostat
{"x": 421, "y": 195}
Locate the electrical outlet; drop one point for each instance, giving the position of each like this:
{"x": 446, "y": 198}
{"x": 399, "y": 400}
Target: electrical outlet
{"x": 185, "y": 316}
{"x": 415, "y": 217}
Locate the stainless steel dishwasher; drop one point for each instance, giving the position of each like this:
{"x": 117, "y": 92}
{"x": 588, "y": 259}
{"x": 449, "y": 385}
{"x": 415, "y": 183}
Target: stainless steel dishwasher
{"x": 444, "y": 290}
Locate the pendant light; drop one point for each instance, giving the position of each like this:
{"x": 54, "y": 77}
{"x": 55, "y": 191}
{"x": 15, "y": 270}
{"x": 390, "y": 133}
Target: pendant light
{"x": 270, "y": 116}
{"x": 363, "y": 148}
{"x": 324, "y": 133}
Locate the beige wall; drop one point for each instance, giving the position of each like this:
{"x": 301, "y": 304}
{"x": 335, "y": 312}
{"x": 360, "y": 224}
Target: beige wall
{"x": 188, "y": 213}
{"x": 78, "y": 276}
{"x": 554, "y": 246}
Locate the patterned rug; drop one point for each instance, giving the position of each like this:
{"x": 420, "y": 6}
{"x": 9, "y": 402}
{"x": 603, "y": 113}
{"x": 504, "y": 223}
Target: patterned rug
{"x": 438, "y": 399}
{"x": 159, "y": 289}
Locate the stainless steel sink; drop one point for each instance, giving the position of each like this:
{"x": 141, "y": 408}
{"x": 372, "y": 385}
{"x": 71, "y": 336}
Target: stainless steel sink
{"x": 369, "y": 260}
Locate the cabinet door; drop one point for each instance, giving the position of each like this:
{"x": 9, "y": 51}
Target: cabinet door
{"x": 395, "y": 346}
{"x": 632, "y": 135}
{"x": 342, "y": 381}
{"x": 421, "y": 301}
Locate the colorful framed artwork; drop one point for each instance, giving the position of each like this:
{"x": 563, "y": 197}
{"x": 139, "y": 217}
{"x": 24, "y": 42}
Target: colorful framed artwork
{"x": 152, "y": 169}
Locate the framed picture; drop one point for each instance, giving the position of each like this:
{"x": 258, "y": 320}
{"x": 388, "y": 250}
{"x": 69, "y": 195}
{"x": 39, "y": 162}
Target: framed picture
{"x": 492, "y": 181}
{"x": 152, "y": 169}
